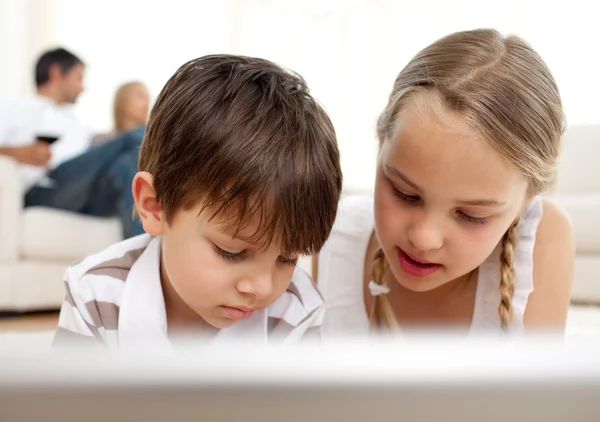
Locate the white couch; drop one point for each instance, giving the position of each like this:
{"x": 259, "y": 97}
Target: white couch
{"x": 37, "y": 244}
{"x": 577, "y": 191}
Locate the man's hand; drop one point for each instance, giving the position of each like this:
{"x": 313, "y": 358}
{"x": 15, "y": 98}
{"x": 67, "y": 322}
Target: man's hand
{"x": 36, "y": 154}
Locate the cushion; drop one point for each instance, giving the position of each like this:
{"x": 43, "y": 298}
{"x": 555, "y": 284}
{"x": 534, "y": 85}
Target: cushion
{"x": 578, "y": 161}
{"x": 584, "y": 211}
{"x": 50, "y": 234}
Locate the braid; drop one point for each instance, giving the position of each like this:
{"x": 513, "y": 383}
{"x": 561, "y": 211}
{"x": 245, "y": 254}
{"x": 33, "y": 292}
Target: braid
{"x": 507, "y": 274}
{"x": 382, "y": 314}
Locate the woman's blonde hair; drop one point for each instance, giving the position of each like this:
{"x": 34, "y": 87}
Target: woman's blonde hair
{"x": 123, "y": 93}
{"x": 506, "y": 92}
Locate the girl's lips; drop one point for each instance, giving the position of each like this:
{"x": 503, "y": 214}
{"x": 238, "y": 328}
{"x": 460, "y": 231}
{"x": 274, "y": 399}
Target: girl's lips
{"x": 414, "y": 267}
{"x": 419, "y": 260}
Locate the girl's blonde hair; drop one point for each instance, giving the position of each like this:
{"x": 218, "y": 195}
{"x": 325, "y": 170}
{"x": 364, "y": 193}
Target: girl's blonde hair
{"x": 123, "y": 93}
{"x": 506, "y": 92}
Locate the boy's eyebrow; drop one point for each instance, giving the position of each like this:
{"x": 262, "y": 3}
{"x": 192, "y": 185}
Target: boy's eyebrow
{"x": 245, "y": 239}
{"x": 229, "y": 231}
{"x": 250, "y": 242}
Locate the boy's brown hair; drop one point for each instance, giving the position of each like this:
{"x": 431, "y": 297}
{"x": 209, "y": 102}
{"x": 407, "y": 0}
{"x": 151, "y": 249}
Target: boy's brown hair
{"x": 246, "y": 138}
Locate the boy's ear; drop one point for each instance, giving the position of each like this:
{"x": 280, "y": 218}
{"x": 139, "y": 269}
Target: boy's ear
{"x": 148, "y": 208}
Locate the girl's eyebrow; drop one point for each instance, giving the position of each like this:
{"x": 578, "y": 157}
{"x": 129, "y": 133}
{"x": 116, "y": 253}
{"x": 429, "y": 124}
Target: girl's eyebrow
{"x": 399, "y": 175}
{"x": 472, "y": 202}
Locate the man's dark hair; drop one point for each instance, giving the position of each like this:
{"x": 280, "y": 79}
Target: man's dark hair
{"x": 63, "y": 58}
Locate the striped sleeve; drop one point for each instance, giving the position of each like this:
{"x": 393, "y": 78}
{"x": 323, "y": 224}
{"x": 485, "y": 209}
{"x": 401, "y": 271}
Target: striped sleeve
{"x": 73, "y": 329}
{"x": 90, "y": 311}
{"x": 297, "y": 316}
{"x": 94, "y": 289}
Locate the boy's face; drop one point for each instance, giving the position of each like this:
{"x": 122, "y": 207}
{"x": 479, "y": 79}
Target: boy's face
{"x": 209, "y": 274}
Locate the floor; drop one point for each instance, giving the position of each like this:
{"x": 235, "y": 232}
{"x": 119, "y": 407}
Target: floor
{"x": 30, "y": 323}
{"x": 582, "y": 320}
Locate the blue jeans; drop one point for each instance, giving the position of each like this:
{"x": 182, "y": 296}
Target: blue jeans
{"x": 97, "y": 182}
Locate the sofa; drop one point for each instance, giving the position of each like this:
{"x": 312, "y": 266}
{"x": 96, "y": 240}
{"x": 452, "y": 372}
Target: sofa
{"x": 577, "y": 191}
{"x": 36, "y": 244}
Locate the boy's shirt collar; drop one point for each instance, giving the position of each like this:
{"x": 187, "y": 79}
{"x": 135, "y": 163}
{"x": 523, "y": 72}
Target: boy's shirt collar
{"x": 143, "y": 316}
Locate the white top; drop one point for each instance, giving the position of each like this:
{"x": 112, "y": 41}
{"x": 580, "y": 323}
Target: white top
{"x": 341, "y": 271}
{"x": 115, "y": 298}
{"x": 22, "y": 120}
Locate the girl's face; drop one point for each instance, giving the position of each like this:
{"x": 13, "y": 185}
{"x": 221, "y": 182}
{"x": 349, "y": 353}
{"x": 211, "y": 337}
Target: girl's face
{"x": 443, "y": 196}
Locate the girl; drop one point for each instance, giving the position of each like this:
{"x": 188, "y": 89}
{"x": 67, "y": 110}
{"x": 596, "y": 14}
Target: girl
{"x": 455, "y": 233}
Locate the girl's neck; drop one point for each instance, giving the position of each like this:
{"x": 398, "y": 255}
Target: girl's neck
{"x": 434, "y": 297}
{"x": 450, "y": 304}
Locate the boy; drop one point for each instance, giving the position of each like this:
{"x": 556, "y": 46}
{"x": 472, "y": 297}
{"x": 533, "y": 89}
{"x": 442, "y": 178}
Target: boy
{"x": 239, "y": 174}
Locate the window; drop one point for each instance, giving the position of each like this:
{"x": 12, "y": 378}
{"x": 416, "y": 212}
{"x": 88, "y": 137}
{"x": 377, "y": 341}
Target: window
{"x": 348, "y": 51}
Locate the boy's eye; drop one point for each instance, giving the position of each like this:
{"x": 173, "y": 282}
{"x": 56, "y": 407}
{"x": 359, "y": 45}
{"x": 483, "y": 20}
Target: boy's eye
{"x": 288, "y": 261}
{"x": 230, "y": 256}
{"x": 240, "y": 256}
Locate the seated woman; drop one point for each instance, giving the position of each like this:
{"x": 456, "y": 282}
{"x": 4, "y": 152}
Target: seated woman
{"x": 130, "y": 109}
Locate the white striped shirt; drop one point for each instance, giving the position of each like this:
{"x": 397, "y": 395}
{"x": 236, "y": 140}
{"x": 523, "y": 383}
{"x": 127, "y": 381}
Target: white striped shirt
{"x": 115, "y": 298}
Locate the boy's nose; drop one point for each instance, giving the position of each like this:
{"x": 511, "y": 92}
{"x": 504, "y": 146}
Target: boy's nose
{"x": 258, "y": 285}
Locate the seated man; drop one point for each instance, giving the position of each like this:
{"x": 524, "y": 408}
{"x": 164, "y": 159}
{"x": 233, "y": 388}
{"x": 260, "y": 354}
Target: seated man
{"x": 59, "y": 168}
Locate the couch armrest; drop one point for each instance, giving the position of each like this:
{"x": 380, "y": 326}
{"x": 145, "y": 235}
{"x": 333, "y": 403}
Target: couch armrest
{"x": 11, "y": 205}
{"x": 584, "y": 210}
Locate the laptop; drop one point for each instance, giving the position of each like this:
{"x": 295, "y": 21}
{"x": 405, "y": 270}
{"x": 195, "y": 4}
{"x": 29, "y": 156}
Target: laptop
{"x": 424, "y": 379}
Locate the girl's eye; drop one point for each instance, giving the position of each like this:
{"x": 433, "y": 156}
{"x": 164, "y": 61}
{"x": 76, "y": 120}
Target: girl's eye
{"x": 230, "y": 256}
{"x": 461, "y": 214}
{"x": 405, "y": 197}
{"x": 471, "y": 219}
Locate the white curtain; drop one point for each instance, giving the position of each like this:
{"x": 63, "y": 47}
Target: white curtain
{"x": 349, "y": 51}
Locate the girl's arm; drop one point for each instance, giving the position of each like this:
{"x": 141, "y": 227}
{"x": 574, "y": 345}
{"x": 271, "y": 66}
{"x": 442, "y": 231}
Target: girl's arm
{"x": 553, "y": 265}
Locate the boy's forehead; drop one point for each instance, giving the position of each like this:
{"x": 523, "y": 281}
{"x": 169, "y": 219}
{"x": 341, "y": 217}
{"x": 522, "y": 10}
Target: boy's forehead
{"x": 259, "y": 223}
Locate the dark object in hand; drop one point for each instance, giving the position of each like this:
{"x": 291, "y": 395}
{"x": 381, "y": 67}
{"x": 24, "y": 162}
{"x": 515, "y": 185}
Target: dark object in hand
{"x": 47, "y": 139}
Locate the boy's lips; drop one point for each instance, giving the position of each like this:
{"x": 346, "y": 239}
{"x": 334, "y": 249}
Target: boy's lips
{"x": 238, "y": 312}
